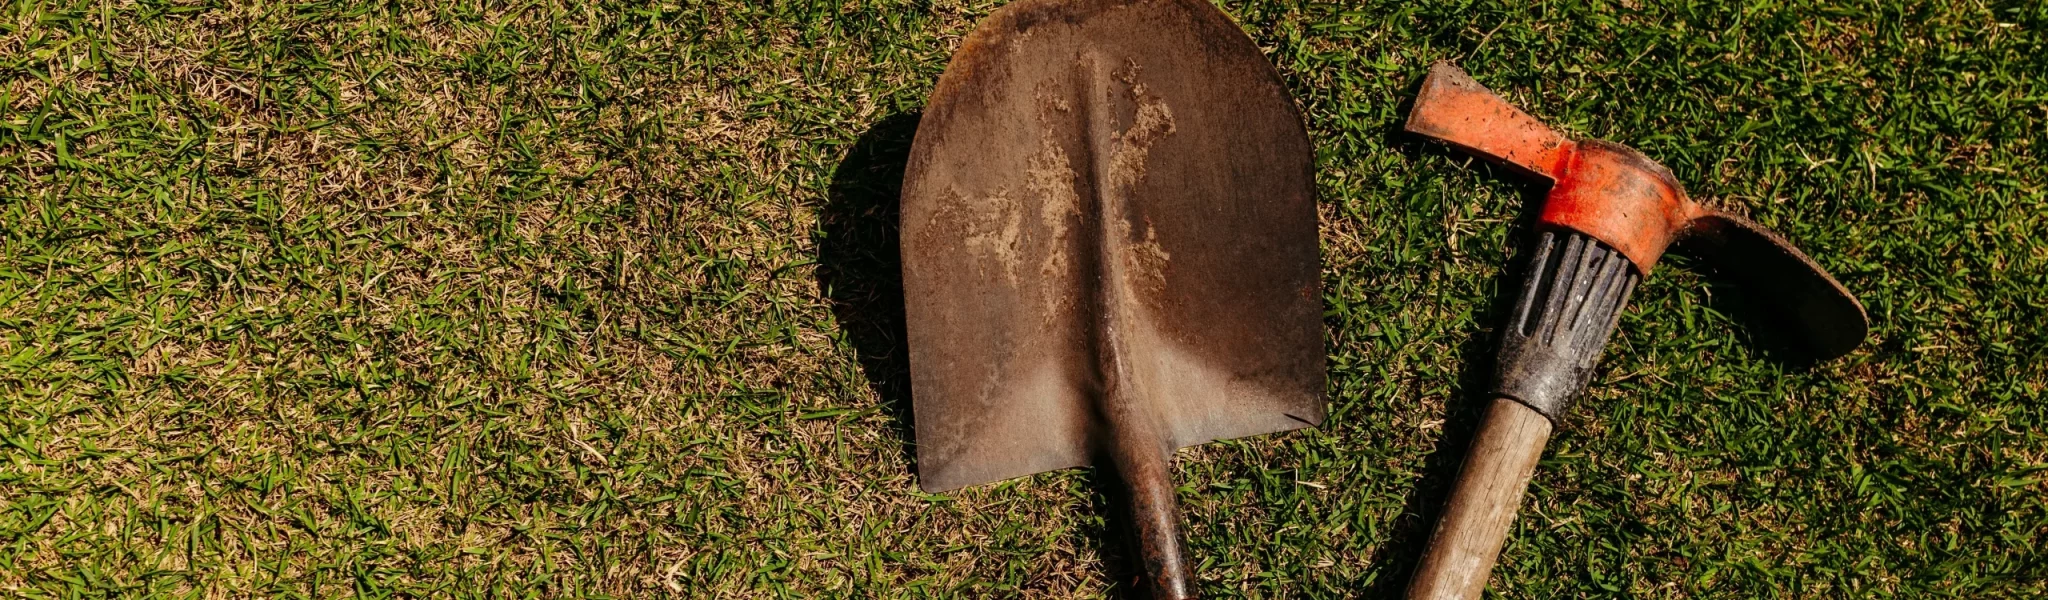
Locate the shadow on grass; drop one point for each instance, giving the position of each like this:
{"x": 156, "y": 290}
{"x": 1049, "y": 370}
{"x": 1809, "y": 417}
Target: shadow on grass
{"x": 860, "y": 270}
{"x": 1760, "y": 315}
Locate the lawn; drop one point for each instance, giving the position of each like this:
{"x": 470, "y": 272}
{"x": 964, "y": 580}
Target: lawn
{"x": 567, "y": 299}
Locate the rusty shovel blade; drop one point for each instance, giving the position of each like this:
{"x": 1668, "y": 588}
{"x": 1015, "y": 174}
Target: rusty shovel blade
{"x": 1109, "y": 247}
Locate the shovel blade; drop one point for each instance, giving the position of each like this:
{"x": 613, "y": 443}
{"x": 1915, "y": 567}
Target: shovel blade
{"x": 1106, "y": 194}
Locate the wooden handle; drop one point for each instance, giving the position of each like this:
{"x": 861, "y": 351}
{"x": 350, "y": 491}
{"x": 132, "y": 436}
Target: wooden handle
{"x": 1475, "y": 522}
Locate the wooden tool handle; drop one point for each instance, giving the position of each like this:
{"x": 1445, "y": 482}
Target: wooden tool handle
{"x": 1475, "y": 522}
{"x": 1146, "y": 470}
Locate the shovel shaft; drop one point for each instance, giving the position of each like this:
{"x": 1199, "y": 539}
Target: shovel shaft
{"x": 1475, "y": 521}
{"x": 1155, "y": 518}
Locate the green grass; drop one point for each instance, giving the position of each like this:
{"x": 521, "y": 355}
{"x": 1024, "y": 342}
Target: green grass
{"x": 569, "y": 299}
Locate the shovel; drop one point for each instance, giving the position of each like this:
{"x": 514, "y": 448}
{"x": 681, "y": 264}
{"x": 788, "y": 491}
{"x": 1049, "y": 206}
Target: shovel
{"x": 1109, "y": 253}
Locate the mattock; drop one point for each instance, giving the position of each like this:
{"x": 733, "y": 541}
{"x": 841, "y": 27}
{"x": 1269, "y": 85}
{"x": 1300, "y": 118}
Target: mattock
{"x": 1609, "y": 214}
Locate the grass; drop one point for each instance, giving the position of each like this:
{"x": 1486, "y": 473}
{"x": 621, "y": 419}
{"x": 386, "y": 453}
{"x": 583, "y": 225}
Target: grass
{"x": 553, "y": 299}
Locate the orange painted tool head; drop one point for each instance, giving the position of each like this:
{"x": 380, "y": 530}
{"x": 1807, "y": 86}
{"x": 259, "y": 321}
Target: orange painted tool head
{"x": 1620, "y": 197}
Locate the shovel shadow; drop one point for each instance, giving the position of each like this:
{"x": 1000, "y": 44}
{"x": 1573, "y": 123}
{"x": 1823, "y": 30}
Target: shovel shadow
{"x": 860, "y": 267}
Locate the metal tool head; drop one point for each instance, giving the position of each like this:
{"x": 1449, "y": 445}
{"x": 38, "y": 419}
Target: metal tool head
{"x": 1628, "y": 202}
{"x": 1106, "y": 193}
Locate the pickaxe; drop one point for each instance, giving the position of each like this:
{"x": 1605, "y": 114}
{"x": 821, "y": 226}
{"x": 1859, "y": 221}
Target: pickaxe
{"x": 1609, "y": 214}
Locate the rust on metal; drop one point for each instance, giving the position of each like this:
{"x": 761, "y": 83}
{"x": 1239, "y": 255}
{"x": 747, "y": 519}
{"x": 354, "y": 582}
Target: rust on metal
{"x": 1109, "y": 252}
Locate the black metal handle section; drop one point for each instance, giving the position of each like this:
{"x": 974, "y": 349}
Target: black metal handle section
{"x": 1562, "y": 318}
